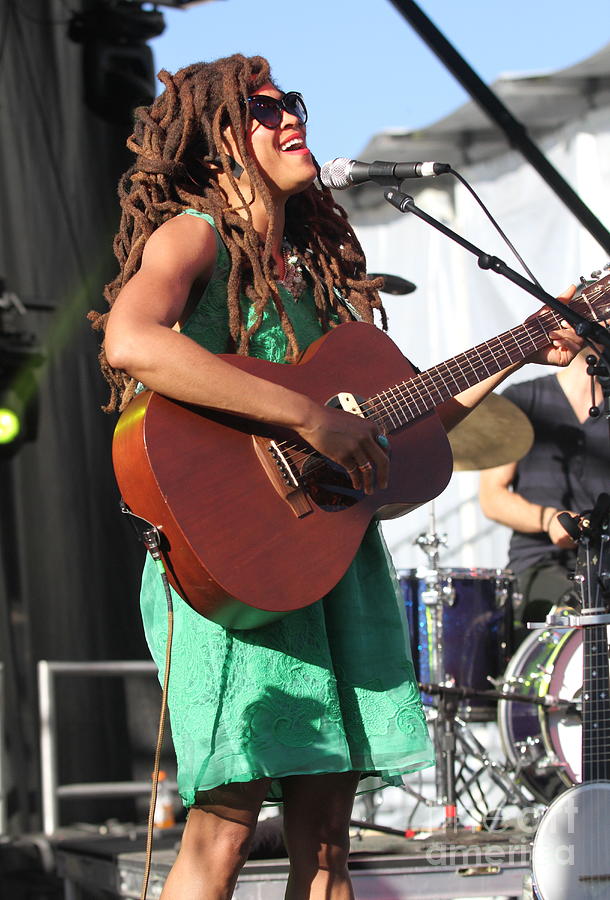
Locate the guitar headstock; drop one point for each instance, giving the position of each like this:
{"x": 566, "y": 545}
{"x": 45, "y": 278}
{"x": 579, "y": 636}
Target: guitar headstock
{"x": 593, "y": 297}
{"x": 593, "y": 558}
{"x": 594, "y": 277}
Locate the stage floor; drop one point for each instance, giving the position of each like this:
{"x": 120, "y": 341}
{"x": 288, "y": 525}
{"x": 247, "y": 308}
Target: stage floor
{"x": 383, "y": 867}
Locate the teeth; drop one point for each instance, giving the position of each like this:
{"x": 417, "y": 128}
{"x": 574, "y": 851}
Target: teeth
{"x": 290, "y": 145}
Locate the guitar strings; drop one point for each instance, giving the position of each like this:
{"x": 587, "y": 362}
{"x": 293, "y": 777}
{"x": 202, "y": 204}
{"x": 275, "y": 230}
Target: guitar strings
{"x": 596, "y": 679}
{"x": 376, "y": 409}
{"x": 595, "y": 666}
{"x": 407, "y": 389}
{"x": 376, "y": 405}
{"x": 373, "y": 406}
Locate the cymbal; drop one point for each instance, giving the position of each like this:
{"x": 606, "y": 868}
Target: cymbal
{"x": 393, "y": 284}
{"x": 495, "y": 433}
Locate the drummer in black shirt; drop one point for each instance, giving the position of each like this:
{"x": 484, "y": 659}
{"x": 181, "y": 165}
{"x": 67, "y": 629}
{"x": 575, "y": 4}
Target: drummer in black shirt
{"x": 567, "y": 467}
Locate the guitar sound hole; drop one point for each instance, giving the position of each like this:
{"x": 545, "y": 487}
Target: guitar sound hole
{"x": 328, "y": 484}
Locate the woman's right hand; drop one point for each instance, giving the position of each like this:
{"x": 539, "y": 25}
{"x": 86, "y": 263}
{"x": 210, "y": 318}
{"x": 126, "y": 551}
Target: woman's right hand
{"x": 351, "y": 441}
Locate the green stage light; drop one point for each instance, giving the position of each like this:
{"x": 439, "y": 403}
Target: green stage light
{"x": 10, "y": 426}
{"x": 19, "y": 359}
{"x": 13, "y": 421}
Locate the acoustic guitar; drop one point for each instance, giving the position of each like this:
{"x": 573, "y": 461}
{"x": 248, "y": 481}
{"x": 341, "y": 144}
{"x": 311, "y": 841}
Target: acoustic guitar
{"x": 254, "y": 522}
{"x": 571, "y": 851}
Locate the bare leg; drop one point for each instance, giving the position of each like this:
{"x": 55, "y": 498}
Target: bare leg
{"x": 215, "y": 842}
{"x": 317, "y": 811}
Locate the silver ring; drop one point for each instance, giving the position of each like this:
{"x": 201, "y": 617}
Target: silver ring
{"x": 365, "y": 466}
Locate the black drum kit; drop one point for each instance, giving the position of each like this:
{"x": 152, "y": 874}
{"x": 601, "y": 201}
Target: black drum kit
{"x": 468, "y": 665}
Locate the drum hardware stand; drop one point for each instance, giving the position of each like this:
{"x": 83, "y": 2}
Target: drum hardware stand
{"x": 499, "y": 774}
{"x": 435, "y": 596}
{"x": 445, "y": 747}
{"x": 452, "y": 734}
{"x": 429, "y": 541}
{"x": 599, "y": 616}
{"x": 549, "y": 700}
{"x": 444, "y": 739}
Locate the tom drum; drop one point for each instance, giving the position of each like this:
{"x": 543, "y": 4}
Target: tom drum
{"x": 474, "y": 607}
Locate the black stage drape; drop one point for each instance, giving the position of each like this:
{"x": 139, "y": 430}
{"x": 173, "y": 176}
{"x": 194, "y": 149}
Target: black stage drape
{"x": 69, "y": 567}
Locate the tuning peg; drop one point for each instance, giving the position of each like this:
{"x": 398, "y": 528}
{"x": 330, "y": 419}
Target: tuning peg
{"x": 596, "y": 274}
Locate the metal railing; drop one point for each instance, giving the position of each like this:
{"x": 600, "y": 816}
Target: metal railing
{"x": 52, "y": 791}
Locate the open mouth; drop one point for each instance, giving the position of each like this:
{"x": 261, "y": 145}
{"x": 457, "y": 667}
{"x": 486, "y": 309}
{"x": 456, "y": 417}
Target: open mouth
{"x": 295, "y": 143}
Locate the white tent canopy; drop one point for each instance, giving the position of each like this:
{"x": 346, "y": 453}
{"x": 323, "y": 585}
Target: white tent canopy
{"x": 457, "y": 305}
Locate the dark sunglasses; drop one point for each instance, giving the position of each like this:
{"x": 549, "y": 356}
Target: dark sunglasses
{"x": 269, "y": 110}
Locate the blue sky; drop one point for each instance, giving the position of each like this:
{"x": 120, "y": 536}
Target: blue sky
{"x": 362, "y": 68}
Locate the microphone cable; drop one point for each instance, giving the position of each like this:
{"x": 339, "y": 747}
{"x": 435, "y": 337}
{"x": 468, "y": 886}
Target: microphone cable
{"x": 151, "y": 540}
{"x": 583, "y": 281}
{"x": 153, "y": 549}
{"x": 341, "y": 173}
{"x": 504, "y": 237}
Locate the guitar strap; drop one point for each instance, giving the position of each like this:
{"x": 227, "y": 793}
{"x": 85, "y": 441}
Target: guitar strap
{"x": 339, "y": 296}
{"x": 349, "y": 306}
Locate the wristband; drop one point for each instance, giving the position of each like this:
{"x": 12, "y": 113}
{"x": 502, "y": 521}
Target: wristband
{"x": 553, "y": 512}
{"x": 543, "y": 509}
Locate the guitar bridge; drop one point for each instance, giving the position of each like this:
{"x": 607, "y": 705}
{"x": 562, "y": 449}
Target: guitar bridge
{"x": 282, "y": 476}
{"x": 283, "y": 464}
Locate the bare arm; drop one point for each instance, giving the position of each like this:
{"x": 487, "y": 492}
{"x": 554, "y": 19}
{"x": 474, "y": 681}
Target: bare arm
{"x": 457, "y": 408}
{"x": 564, "y": 347}
{"x": 140, "y": 339}
{"x": 507, "y": 507}
{"x": 500, "y": 503}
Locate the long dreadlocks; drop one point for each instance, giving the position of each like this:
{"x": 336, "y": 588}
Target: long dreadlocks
{"x": 179, "y": 148}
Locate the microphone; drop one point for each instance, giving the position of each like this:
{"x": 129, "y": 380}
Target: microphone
{"x": 342, "y": 173}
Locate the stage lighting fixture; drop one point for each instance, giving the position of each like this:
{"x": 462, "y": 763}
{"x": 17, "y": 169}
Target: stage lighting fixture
{"x": 11, "y": 417}
{"x": 18, "y": 404}
{"x": 19, "y": 358}
{"x": 18, "y": 399}
{"x": 118, "y": 65}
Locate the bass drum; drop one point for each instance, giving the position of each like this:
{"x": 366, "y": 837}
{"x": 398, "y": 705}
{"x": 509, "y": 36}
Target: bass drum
{"x": 544, "y": 743}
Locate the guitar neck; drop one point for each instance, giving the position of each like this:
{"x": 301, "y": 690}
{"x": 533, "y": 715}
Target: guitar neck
{"x": 413, "y": 398}
{"x": 595, "y": 706}
{"x": 596, "y": 677}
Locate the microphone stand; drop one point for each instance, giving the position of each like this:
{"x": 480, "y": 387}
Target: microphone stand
{"x": 591, "y": 331}
{"x": 602, "y": 373}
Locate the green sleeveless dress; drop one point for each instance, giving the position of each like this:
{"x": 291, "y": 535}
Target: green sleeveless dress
{"x": 329, "y": 688}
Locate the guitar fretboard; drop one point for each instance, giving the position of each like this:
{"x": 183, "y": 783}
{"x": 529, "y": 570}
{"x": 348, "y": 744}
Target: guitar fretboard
{"x": 596, "y": 677}
{"x": 595, "y": 705}
{"x": 410, "y": 399}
